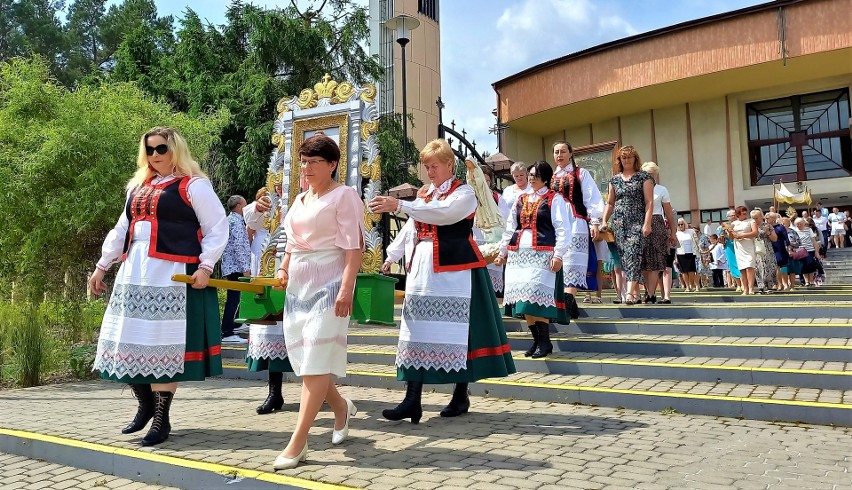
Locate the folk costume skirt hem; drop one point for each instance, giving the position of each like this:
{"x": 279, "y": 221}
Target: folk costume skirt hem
{"x": 203, "y": 356}
{"x": 556, "y": 314}
{"x": 488, "y": 351}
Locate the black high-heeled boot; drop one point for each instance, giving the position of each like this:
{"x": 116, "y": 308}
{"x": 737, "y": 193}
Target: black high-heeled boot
{"x": 410, "y": 406}
{"x": 145, "y": 396}
{"x": 534, "y": 329}
{"x": 573, "y": 308}
{"x": 545, "y": 346}
{"x": 459, "y": 404}
{"x": 274, "y": 400}
{"x": 160, "y": 427}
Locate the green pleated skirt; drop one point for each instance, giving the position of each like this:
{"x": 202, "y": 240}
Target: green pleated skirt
{"x": 488, "y": 352}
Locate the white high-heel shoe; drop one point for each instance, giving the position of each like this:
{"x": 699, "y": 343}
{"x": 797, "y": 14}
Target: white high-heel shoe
{"x": 338, "y": 436}
{"x": 282, "y": 463}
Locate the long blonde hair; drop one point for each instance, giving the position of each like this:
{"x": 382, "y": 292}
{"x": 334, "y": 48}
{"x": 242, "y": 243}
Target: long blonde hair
{"x": 182, "y": 162}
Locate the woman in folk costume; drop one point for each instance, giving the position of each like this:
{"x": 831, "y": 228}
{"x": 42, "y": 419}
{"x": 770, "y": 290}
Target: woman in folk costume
{"x": 325, "y": 240}
{"x": 451, "y": 330}
{"x": 266, "y": 350}
{"x": 535, "y": 243}
{"x": 585, "y": 208}
{"x": 157, "y": 332}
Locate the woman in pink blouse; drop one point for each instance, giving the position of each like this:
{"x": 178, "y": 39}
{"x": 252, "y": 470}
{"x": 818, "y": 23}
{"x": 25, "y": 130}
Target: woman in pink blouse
{"x": 325, "y": 239}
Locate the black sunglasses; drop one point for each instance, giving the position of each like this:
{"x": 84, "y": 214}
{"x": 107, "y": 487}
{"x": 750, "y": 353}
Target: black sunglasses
{"x": 161, "y": 149}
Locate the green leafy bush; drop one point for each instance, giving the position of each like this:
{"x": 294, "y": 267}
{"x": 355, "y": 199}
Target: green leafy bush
{"x": 82, "y": 358}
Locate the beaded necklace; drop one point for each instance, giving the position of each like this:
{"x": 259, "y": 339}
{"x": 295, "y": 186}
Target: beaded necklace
{"x": 529, "y": 210}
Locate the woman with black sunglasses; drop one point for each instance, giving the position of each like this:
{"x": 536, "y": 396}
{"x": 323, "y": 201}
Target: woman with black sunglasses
{"x": 157, "y": 332}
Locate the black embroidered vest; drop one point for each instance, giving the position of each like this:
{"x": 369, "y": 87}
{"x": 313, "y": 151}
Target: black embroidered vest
{"x": 571, "y": 190}
{"x": 453, "y": 248}
{"x": 175, "y": 231}
{"x": 539, "y": 222}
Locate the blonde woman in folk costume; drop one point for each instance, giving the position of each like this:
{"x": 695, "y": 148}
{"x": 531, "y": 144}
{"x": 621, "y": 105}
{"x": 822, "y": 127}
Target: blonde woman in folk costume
{"x": 157, "y": 332}
{"x": 451, "y": 330}
{"x": 585, "y": 208}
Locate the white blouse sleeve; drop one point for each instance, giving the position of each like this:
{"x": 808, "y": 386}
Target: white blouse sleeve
{"x": 113, "y": 245}
{"x": 457, "y": 206}
{"x": 254, "y": 220}
{"x": 591, "y": 195}
{"x": 396, "y": 249}
{"x": 559, "y": 216}
{"x": 502, "y": 207}
{"x": 211, "y": 216}
{"x": 511, "y": 225}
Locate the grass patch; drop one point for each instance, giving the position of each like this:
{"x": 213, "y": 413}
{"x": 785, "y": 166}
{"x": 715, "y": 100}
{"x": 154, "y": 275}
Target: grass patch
{"x": 52, "y": 340}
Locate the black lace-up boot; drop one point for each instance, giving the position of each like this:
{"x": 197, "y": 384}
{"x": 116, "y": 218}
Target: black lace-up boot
{"x": 145, "y": 397}
{"x": 160, "y": 427}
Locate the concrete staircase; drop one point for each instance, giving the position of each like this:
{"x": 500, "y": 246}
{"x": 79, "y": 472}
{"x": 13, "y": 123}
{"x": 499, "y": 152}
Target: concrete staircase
{"x": 785, "y": 357}
{"x": 838, "y": 266}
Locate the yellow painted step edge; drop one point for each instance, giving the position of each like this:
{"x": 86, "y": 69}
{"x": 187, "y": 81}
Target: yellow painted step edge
{"x": 685, "y": 322}
{"x": 655, "y": 364}
{"x": 175, "y": 461}
{"x": 614, "y": 390}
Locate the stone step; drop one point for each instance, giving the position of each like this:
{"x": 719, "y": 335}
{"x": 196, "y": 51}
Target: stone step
{"x": 811, "y": 348}
{"x": 781, "y": 311}
{"x": 804, "y": 374}
{"x": 737, "y": 298}
{"x": 752, "y": 401}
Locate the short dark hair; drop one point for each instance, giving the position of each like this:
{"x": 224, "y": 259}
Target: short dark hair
{"x": 320, "y": 145}
{"x": 543, "y": 171}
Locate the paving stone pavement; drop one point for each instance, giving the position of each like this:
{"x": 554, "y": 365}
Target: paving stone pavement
{"x": 500, "y": 444}
{"x": 19, "y": 473}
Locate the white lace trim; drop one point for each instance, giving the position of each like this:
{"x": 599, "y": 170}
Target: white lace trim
{"x": 264, "y": 346}
{"x": 122, "y": 359}
{"x": 417, "y": 355}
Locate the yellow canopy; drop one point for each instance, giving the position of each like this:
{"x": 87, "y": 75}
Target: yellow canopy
{"x": 786, "y": 196}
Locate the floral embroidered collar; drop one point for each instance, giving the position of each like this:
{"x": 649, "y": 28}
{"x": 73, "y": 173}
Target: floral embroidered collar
{"x": 441, "y": 189}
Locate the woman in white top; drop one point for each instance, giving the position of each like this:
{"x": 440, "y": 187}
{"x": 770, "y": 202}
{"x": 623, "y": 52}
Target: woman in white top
{"x": 687, "y": 249}
{"x": 837, "y": 221}
{"x": 744, "y": 231}
{"x": 521, "y": 185}
{"x": 655, "y": 248}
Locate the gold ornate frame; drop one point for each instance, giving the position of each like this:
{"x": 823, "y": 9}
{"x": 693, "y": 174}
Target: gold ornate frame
{"x": 302, "y": 126}
{"x": 352, "y": 110}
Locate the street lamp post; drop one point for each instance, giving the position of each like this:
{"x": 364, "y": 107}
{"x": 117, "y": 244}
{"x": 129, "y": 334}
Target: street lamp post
{"x": 402, "y": 25}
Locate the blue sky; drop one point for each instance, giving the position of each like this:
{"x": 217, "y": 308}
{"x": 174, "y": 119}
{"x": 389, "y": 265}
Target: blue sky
{"x": 483, "y": 41}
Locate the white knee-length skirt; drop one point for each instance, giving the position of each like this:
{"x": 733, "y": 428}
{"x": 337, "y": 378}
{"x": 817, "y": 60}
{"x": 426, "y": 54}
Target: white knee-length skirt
{"x": 314, "y": 335}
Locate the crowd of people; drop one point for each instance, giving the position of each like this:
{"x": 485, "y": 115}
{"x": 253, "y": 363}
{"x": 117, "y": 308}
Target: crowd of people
{"x": 559, "y": 230}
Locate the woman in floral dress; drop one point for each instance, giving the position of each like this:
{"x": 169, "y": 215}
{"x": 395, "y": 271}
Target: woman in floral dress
{"x": 631, "y": 202}
{"x": 765, "y": 266}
